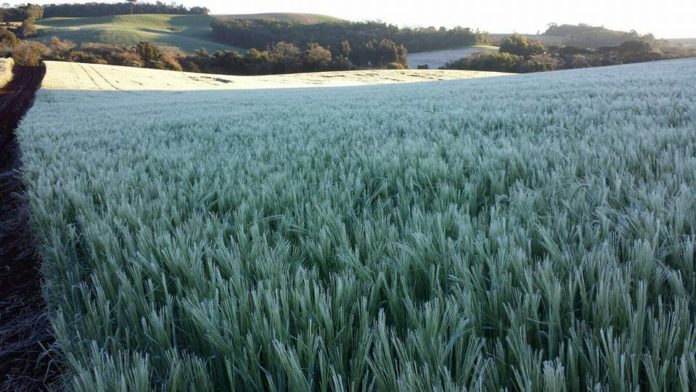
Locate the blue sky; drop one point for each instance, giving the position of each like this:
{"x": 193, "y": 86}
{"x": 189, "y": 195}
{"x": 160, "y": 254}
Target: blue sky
{"x": 666, "y": 18}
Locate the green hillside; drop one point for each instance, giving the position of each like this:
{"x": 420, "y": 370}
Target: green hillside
{"x": 285, "y": 17}
{"x": 184, "y": 32}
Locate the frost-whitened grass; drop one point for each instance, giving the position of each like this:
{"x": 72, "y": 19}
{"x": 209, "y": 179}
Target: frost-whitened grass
{"x": 532, "y": 232}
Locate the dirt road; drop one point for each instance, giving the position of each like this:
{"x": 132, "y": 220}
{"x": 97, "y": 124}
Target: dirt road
{"x": 25, "y": 332}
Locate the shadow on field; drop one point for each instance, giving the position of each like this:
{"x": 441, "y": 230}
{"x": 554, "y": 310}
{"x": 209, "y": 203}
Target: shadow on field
{"x": 25, "y": 332}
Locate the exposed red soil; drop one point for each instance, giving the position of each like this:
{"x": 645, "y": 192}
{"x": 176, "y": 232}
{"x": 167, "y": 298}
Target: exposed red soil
{"x": 25, "y": 332}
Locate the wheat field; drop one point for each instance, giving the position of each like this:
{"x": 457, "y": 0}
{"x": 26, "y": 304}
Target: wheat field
{"x": 532, "y": 232}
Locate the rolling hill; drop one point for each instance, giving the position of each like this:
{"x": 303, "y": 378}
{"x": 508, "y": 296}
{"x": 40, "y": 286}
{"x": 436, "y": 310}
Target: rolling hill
{"x": 186, "y": 33}
{"x": 183, "y": 32}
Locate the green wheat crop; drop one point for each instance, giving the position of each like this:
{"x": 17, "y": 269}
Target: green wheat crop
{"x": 526, "y": 233}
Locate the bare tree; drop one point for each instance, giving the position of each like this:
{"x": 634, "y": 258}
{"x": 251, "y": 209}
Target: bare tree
{"x": 131, "y": 5}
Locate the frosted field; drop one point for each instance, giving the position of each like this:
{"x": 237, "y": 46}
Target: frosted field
{"x": 76, "y": 76}
{"x": 530, "y": 232}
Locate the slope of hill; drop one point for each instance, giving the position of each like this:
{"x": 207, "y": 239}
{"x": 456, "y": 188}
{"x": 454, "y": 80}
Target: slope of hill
{"x": 687, "y": 42}
{"x": 545, "y": 39}
{"x": 586, "y": 36}
{"x": 582, "y": 35}
{"x": 184, "y": 32}
{"x": 285, "y": 17}
{"x": 76, "y": 76}
{"x": 533, "y": 232}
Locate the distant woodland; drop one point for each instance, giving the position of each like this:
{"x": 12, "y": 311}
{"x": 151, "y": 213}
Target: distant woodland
{"x": 259, "y": 33}
{"x": 517, "y": 53}
{"x": 35, "y": 12}
{"x": 280, "y": 58}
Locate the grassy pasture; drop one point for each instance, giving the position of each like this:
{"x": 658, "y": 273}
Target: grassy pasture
{"x": 184, "y": 32}
{"x": 439, "y": 58}
{"x": 533, "y": 232}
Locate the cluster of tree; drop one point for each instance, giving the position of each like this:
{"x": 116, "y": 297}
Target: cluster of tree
{"x": 287, "y": 57}
{"x": 428, "y": 39}
{"x": 124, "y": 8}
{"x": 280, "y": 58}
{"x": 23, "y": 52}
{"x": 375, "y": 53}
{"x": 586, "y": 36}
{"x": 259, "y": 33}
{"x": 143, "y": 55}
{"x": 7, "y": 39}
{"x": 21, "y": 13}
{"x": 521, "y": 46}
{"x": 519, "y": 54}
{"x": 26, "y": 14}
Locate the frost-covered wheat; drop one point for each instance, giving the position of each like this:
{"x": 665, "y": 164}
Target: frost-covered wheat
{"x": 531, "y": 232}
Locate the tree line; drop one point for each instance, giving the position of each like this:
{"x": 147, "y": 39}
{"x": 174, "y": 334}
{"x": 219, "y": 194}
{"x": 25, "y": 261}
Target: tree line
{"x": 520, "y": 55}
{"x": 25, "y": 14}
{"x": 21, "y": 13}
{"x": 35, "y": 12}
{"x": 282, "y": 57}
{"x": 248, "y": 33}
{"x": 106, "y": 9}
{"x": 286, "y": 57}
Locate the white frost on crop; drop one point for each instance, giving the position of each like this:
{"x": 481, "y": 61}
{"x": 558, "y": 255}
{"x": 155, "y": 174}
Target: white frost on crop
{"x": 533, "y": 232}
